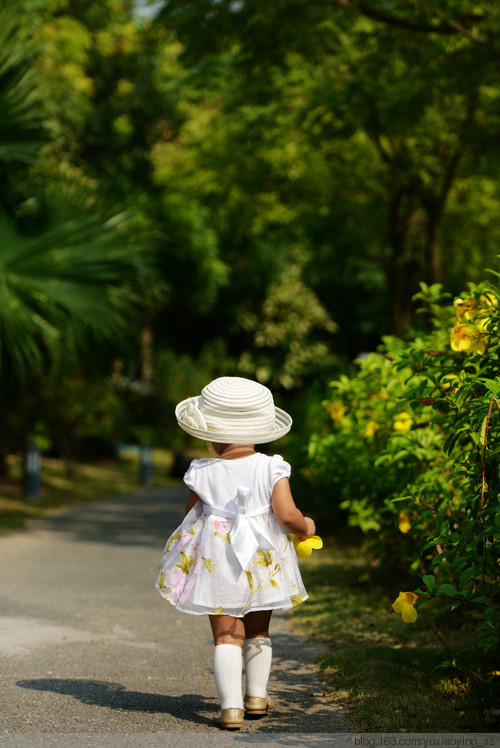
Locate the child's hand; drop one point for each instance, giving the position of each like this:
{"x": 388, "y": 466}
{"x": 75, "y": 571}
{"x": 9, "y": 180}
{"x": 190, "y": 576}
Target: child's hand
{"x": 311, "y": 528}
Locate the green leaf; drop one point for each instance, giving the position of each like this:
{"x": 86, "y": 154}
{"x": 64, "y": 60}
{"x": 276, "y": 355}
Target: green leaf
{"x": 465, "y": 577}
{"x": 484, "y": 426}
{"x": 491, "y": 614}
{"x": 430, "y": 581}
{"x": 447, "y": 589}
{"x": 444, "y": 664}
{"x": 492, "y": 385}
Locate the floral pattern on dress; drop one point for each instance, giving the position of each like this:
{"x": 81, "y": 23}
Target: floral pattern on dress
{"x": 199, "y": 572}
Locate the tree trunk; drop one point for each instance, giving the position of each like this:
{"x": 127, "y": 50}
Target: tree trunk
{"x": 147, "y": 372}
{"x": 402, "y": 268}
{"x": 67, "y": 453}
{"x": 416, "y": 252}
{"x": 403, "y": 283}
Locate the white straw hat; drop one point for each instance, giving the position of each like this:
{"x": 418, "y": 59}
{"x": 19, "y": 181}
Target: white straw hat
{"x": 233, "y": 410}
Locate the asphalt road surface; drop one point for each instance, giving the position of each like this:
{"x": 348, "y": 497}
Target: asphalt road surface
{"x": 88, "y": 647}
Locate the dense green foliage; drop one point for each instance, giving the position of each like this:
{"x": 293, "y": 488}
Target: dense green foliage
{"x": 357, "y": 146}
{"x": 412, "y": 454}
{"x": 365, "y": 135}
{"x": 73, "y": 273}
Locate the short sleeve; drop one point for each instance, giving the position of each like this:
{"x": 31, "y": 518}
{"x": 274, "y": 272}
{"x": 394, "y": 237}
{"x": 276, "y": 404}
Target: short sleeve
{"x": 190, "y": 475}
{"x": 279, "y": 469}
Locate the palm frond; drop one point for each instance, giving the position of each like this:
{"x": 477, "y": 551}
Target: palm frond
{"x": 21, "y": 119}
{"x": 65, "y": 285}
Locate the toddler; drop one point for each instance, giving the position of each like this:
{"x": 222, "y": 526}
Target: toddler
{"x": 231, "y": 558}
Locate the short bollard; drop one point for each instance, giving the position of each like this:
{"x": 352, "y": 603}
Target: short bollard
{"x": 32, "y": 471}
{"x": 146, "y": 468}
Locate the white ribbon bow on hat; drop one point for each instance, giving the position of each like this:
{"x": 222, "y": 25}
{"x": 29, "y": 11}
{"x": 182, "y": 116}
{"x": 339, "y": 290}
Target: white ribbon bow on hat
{"x": 195, "y": 418}
{"x": 247, "y": 536}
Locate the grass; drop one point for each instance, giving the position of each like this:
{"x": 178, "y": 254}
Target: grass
{"x": 380, "y": 668}
{"x": 88, "y": 481}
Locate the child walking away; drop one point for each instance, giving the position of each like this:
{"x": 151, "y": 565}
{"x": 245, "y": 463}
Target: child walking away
{"x": 231, "y": 557}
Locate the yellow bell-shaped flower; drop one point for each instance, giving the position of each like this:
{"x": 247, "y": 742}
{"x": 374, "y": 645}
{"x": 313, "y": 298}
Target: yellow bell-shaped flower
{"x": 404, "y": 604}
{"x": 468, "y": 338}
{"x": 304, "y": 546}
{"x": 402, "y": 422}
{"x": 336, "y": 409}
{"x": 404, "y": 523}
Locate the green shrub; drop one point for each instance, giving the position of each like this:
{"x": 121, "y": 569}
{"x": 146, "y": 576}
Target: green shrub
{"x": 411, "y": 453}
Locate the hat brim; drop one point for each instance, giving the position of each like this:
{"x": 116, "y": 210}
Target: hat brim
{"x": 282, "y": 425}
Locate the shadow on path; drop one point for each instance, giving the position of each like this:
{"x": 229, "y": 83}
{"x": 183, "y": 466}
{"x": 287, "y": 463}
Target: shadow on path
{"x": 145, "y": 518}
{"x": 115, "y": 696}
{"x": 301, "y": 706}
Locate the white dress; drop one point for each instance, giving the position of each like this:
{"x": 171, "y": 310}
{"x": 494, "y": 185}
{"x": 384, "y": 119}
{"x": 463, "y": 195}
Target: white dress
{"x": 230, "y": 555}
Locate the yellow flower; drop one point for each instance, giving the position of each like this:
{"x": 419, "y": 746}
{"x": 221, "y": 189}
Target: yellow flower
{"x": 404, "y": 523}
{"x": 469, "y": 308}
{"x": 172, "y": 538}
{"x": 450, "y": 380}
{"x": 488, "y": 300}
{"x": 402, "y": 422}
{"x": 186, "y": 563}
{"x": 478, "y": 312}
{"x": 465, "y": 308}
{"x": 336, "y": 409}
{"x": 304, "y": 547}
{"x": 250, "y": 580}
{"x": 468, "y": 339}
{"x": 209, "y": 564}
{"x": 404, "y": 604}
{"x": 370, "y": 429}
{"x": 265, "y": 558}
{"x": 482, "y": 323}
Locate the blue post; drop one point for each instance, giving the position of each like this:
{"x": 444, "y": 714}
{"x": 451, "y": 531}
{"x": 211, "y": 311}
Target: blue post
{"x": 32, "y": 472}
{"x": 146, "y": 468}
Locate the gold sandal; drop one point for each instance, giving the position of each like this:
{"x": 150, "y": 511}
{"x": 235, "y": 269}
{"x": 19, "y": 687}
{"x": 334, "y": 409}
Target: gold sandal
{"x": 229, "y": 719}
{"x": 258, "y": 704}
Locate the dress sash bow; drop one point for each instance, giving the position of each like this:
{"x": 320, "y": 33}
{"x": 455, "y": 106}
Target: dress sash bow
{"x": 246, "y": 535}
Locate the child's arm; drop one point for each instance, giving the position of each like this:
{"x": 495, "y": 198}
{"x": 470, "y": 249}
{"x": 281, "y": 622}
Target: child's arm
{"x": 287, "y": 514}
{"x": 192, "y": 499}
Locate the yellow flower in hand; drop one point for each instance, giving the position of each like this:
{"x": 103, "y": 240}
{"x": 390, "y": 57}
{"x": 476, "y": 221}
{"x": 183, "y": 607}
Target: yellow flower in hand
{"x": 304, "y": 546}
{"x": 404, "y": 605}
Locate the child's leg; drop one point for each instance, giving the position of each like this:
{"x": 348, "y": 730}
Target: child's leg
{"x": 229, "y": 635}
{"x": 257, "y": 652}
{"x": 257, "y": 623}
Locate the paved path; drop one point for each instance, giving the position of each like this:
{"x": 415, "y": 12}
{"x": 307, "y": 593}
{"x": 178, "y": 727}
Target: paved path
{"x": 88, "y": 646}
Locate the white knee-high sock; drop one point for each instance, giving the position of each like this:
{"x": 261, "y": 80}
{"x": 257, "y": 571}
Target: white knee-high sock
{"x": 227, "y": 671}
{"x": 258, "y": 654}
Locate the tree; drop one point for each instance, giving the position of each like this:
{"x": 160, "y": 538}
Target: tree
{"x": 399, "y": 104}
{"x": 71, "y": 289}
